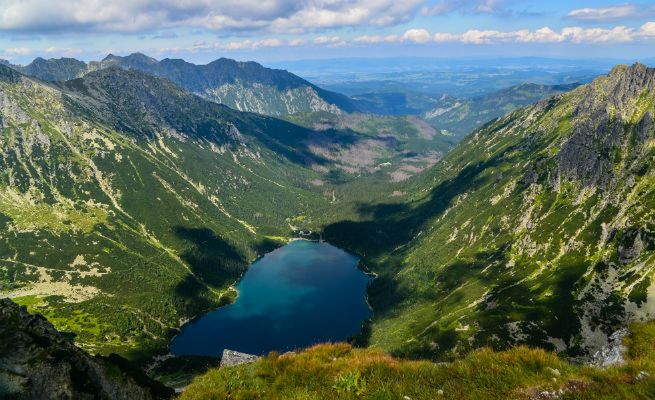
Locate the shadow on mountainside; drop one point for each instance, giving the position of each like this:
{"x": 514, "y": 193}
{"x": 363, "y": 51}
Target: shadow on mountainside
{"x": 213, "y": 262}
{"x": 540, "y": 312}
{"x": 386, "y": 229}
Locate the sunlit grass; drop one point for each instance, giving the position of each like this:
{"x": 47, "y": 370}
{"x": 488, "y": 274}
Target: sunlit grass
{"x": 331, "y": 371}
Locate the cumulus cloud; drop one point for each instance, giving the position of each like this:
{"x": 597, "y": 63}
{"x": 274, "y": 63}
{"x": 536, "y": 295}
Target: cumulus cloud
{"x": 18, "y": 51}
{"x": 604, "y": 13}
{"x": 648, "y": 30}
{"x": 285, "y": 16}
{"x": 487, "y": 6}
{"x": 226, "y": 45}
{"x": 618, "y": 34}
{"x": 417, "y": 36}
{"x": 297, "y": 42}
{"x": 370, "y": 39}
{"x": 330, "y": 41}
{"x": 13, "y": 52}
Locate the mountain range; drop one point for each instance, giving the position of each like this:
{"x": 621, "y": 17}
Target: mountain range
{"x": 244, "y": 86}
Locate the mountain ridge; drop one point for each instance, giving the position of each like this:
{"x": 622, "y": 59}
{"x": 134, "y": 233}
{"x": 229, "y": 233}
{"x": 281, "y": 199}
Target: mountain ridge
{"x": 244, "y": 86}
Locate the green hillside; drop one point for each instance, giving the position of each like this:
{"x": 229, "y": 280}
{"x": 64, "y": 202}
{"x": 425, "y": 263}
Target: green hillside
{"x": 536, "y": 230}
{"x": 120, "y": 191}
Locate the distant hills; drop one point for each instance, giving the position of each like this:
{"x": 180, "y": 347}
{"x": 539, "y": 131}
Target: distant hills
{"x": 459, "y": 117}
{"x": 244, "y": 86}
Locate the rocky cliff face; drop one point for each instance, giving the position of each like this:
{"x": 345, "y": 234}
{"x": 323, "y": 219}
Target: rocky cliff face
{"x": 38, "y": 362}
{"x": 599, "y": 136}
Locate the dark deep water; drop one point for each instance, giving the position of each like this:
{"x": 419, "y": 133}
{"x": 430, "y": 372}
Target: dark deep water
{"x": 298, "y": 295}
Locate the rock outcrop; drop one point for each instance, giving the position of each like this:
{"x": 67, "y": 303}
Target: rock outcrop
{"x": 231, "y": 358}
{"x": 38, "y": 362}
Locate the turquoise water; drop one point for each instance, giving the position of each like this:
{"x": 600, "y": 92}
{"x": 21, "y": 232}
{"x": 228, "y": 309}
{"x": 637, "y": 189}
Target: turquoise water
{"x": 298, "y": 295}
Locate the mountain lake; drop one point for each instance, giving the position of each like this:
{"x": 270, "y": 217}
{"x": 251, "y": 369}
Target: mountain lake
{"x": 291, "y": 298}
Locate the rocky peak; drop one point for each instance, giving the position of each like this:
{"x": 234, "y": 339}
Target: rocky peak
{"x": 8, "y": 74}
{"x": 624, "y": 85}
{"x": 612, "y": 119}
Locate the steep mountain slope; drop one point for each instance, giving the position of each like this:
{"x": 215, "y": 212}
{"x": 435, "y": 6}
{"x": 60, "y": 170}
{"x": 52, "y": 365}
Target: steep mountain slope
{"x": 128, "y": 205}
{"x": 37, "y": 362}
{"x": 538, "y": 229}
{"x": 459, "y": 117}
{"x": 121, "y": 191}
{"x": 244, "y": 86}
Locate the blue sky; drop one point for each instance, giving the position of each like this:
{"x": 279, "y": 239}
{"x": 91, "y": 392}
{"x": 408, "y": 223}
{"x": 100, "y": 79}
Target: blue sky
{"x": 273, "y": 30}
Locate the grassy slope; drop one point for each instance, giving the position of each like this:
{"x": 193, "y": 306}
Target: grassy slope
{"x": 519, "y": 229}
{"x": 339, "y": 371}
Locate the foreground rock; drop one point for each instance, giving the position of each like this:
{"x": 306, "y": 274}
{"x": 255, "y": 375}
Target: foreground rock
{"x": 38, "y": 362}
{"x": 231, "y": 358}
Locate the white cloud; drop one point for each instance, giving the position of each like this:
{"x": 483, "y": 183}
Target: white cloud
{"x": 445, "y": 7}
{"x": 13, "y": 52}
{"x": 647, "y": 30}
{"x": 417, "y": 36}
{"x": 442, "y": 7}
{"x": 598, "y": 35}
{"x": 330, "y": 41}
{"x": 487, "y": 6}
{"x": 573, "y": 35}
{"x": 326, "y": 39}
{"x": 604, "y": 13}
{"x": 228, "y": 46}
{"x": 297, "y": 42}
{"x": 618, "y": 34}
{"x": 282, "y": 16}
